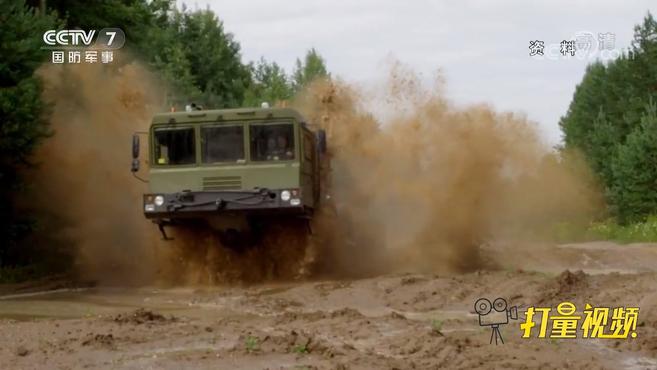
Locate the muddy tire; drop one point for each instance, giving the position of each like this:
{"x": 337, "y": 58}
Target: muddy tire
{"x": 285, "y": 251}
{"x": 289, "y": 248}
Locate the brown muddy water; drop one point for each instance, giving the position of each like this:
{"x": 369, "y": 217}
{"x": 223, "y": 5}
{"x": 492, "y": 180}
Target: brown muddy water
{"x": 402, "y": 321}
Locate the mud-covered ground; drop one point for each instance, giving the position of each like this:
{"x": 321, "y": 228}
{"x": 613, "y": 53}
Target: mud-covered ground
{"x": 399, "y": 321}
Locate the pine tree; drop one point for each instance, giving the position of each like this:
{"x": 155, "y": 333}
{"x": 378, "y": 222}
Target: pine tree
{"x": 215, "y": 60}
{"x": 23, "y": 125}
{"x": 608, "y": 107}
{"x": 634, "y": 167}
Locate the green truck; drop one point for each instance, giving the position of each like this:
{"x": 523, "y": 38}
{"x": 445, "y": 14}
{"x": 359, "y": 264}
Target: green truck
{"x": 233, "y": 170}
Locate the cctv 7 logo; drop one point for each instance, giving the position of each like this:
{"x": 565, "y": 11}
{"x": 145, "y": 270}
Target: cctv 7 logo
{"x": 113, "y": 34}
{"x": 111, "y": 38}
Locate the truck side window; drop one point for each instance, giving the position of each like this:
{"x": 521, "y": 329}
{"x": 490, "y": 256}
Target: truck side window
{"x": 174, "y": 146}
{"x": 222, "y": 144}
{"x": 272, "y": 142}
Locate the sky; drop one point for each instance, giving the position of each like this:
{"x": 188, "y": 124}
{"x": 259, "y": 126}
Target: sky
{"x": 481, "y": 47}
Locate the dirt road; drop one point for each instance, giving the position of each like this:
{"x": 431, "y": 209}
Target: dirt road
{"x": 399, "y": 321}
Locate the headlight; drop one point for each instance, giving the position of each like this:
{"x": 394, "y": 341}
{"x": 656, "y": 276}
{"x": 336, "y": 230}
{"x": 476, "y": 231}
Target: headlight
{"x": 285, "y": 195}
{"x": 159, "y": 200}
{"x": 295, "y": 202}
{"x": 149, "y": 208}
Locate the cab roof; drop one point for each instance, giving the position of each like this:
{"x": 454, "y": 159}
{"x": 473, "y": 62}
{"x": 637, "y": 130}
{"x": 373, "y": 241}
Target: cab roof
{"x": 218, "y": 115}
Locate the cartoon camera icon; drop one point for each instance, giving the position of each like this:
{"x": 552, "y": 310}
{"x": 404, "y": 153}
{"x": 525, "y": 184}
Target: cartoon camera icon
{"x": 495, "y": 314}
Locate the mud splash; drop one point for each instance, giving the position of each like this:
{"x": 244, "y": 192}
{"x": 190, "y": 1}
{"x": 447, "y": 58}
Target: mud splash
{"x": 91, "y": 204}
{"x": 84, "y": 191}
{"x": 197, "y": 256}
{"x": 421, "y": 189}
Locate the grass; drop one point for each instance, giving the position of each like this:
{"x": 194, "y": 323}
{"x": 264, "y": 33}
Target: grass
{"x": 645, "y": 231}
{"x": 610, "y": 229}
{"x": 18, "y": 274}
{"x": 300, "y": 348}
{"x": 251, "y": 343}
{"x": 437, "y": 326}
{"x": 35, "y": 262}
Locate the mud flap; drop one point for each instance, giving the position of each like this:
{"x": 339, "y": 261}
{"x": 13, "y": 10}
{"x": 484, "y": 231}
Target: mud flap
{"x": 160, "y": 226}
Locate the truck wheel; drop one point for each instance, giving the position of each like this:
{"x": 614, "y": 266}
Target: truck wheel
{"x": 289, "y": 247}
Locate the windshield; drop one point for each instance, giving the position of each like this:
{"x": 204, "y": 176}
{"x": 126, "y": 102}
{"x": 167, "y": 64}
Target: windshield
{"x": 174, "y": 146}
{"x": 272, "y": 142}
{"x": 222, "y": 144}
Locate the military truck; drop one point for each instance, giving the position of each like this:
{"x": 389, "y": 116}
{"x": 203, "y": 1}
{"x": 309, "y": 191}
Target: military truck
{"x": 232, "y": 170}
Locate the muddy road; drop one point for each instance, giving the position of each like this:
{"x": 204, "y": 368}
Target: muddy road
{"x": 395, "y": 321}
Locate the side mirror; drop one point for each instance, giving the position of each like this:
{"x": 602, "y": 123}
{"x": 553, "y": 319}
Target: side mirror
{"x": 321, "y": 141}
{"x": 135, "y": 153}
{"x": 135, "y": 146}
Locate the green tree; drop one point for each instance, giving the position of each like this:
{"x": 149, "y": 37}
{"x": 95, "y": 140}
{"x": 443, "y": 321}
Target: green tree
{"x": 644, "y": 53}
{"x": 269, "y": 84}
{"x": 602, "y": 143}
{"x": 609, "y": 104}
{"x": 134, "y": 17}
{"x": 190, "y": 49}
{"x": 215, "y": 60}
{"x": 312, "y": 67}
{"x": 585, "y": 107}
{"x": 23, "y": 125}
{"x": 635, "y": 171}
{"x": 167, "y": 55}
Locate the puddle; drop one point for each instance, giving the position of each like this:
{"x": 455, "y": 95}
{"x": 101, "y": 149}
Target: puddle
{"x": 89, "y": 302}
{"x": 637, "y": 363}
{"x": 632, "y": 361}
{"x": 271, "y": 290}
{"x": 43, "y": 293}
{"x": 611, "y": 246}
{"x": 438, "y": 315}
{"x": 604, "y": 271}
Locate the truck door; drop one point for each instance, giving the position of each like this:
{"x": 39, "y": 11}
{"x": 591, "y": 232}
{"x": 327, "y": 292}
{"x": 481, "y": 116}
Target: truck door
{"x": 309, "y": 168}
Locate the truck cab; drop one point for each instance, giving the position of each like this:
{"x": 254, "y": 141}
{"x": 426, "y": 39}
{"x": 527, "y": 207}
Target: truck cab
{"x": 231, "y": 168}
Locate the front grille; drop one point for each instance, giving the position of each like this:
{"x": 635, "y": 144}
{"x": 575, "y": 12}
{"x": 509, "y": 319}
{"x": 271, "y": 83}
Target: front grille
{"x": 222, "y": 183}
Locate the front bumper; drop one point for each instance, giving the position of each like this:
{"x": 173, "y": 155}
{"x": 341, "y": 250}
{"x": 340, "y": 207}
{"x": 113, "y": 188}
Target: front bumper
{"x": 190, "y": 204}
